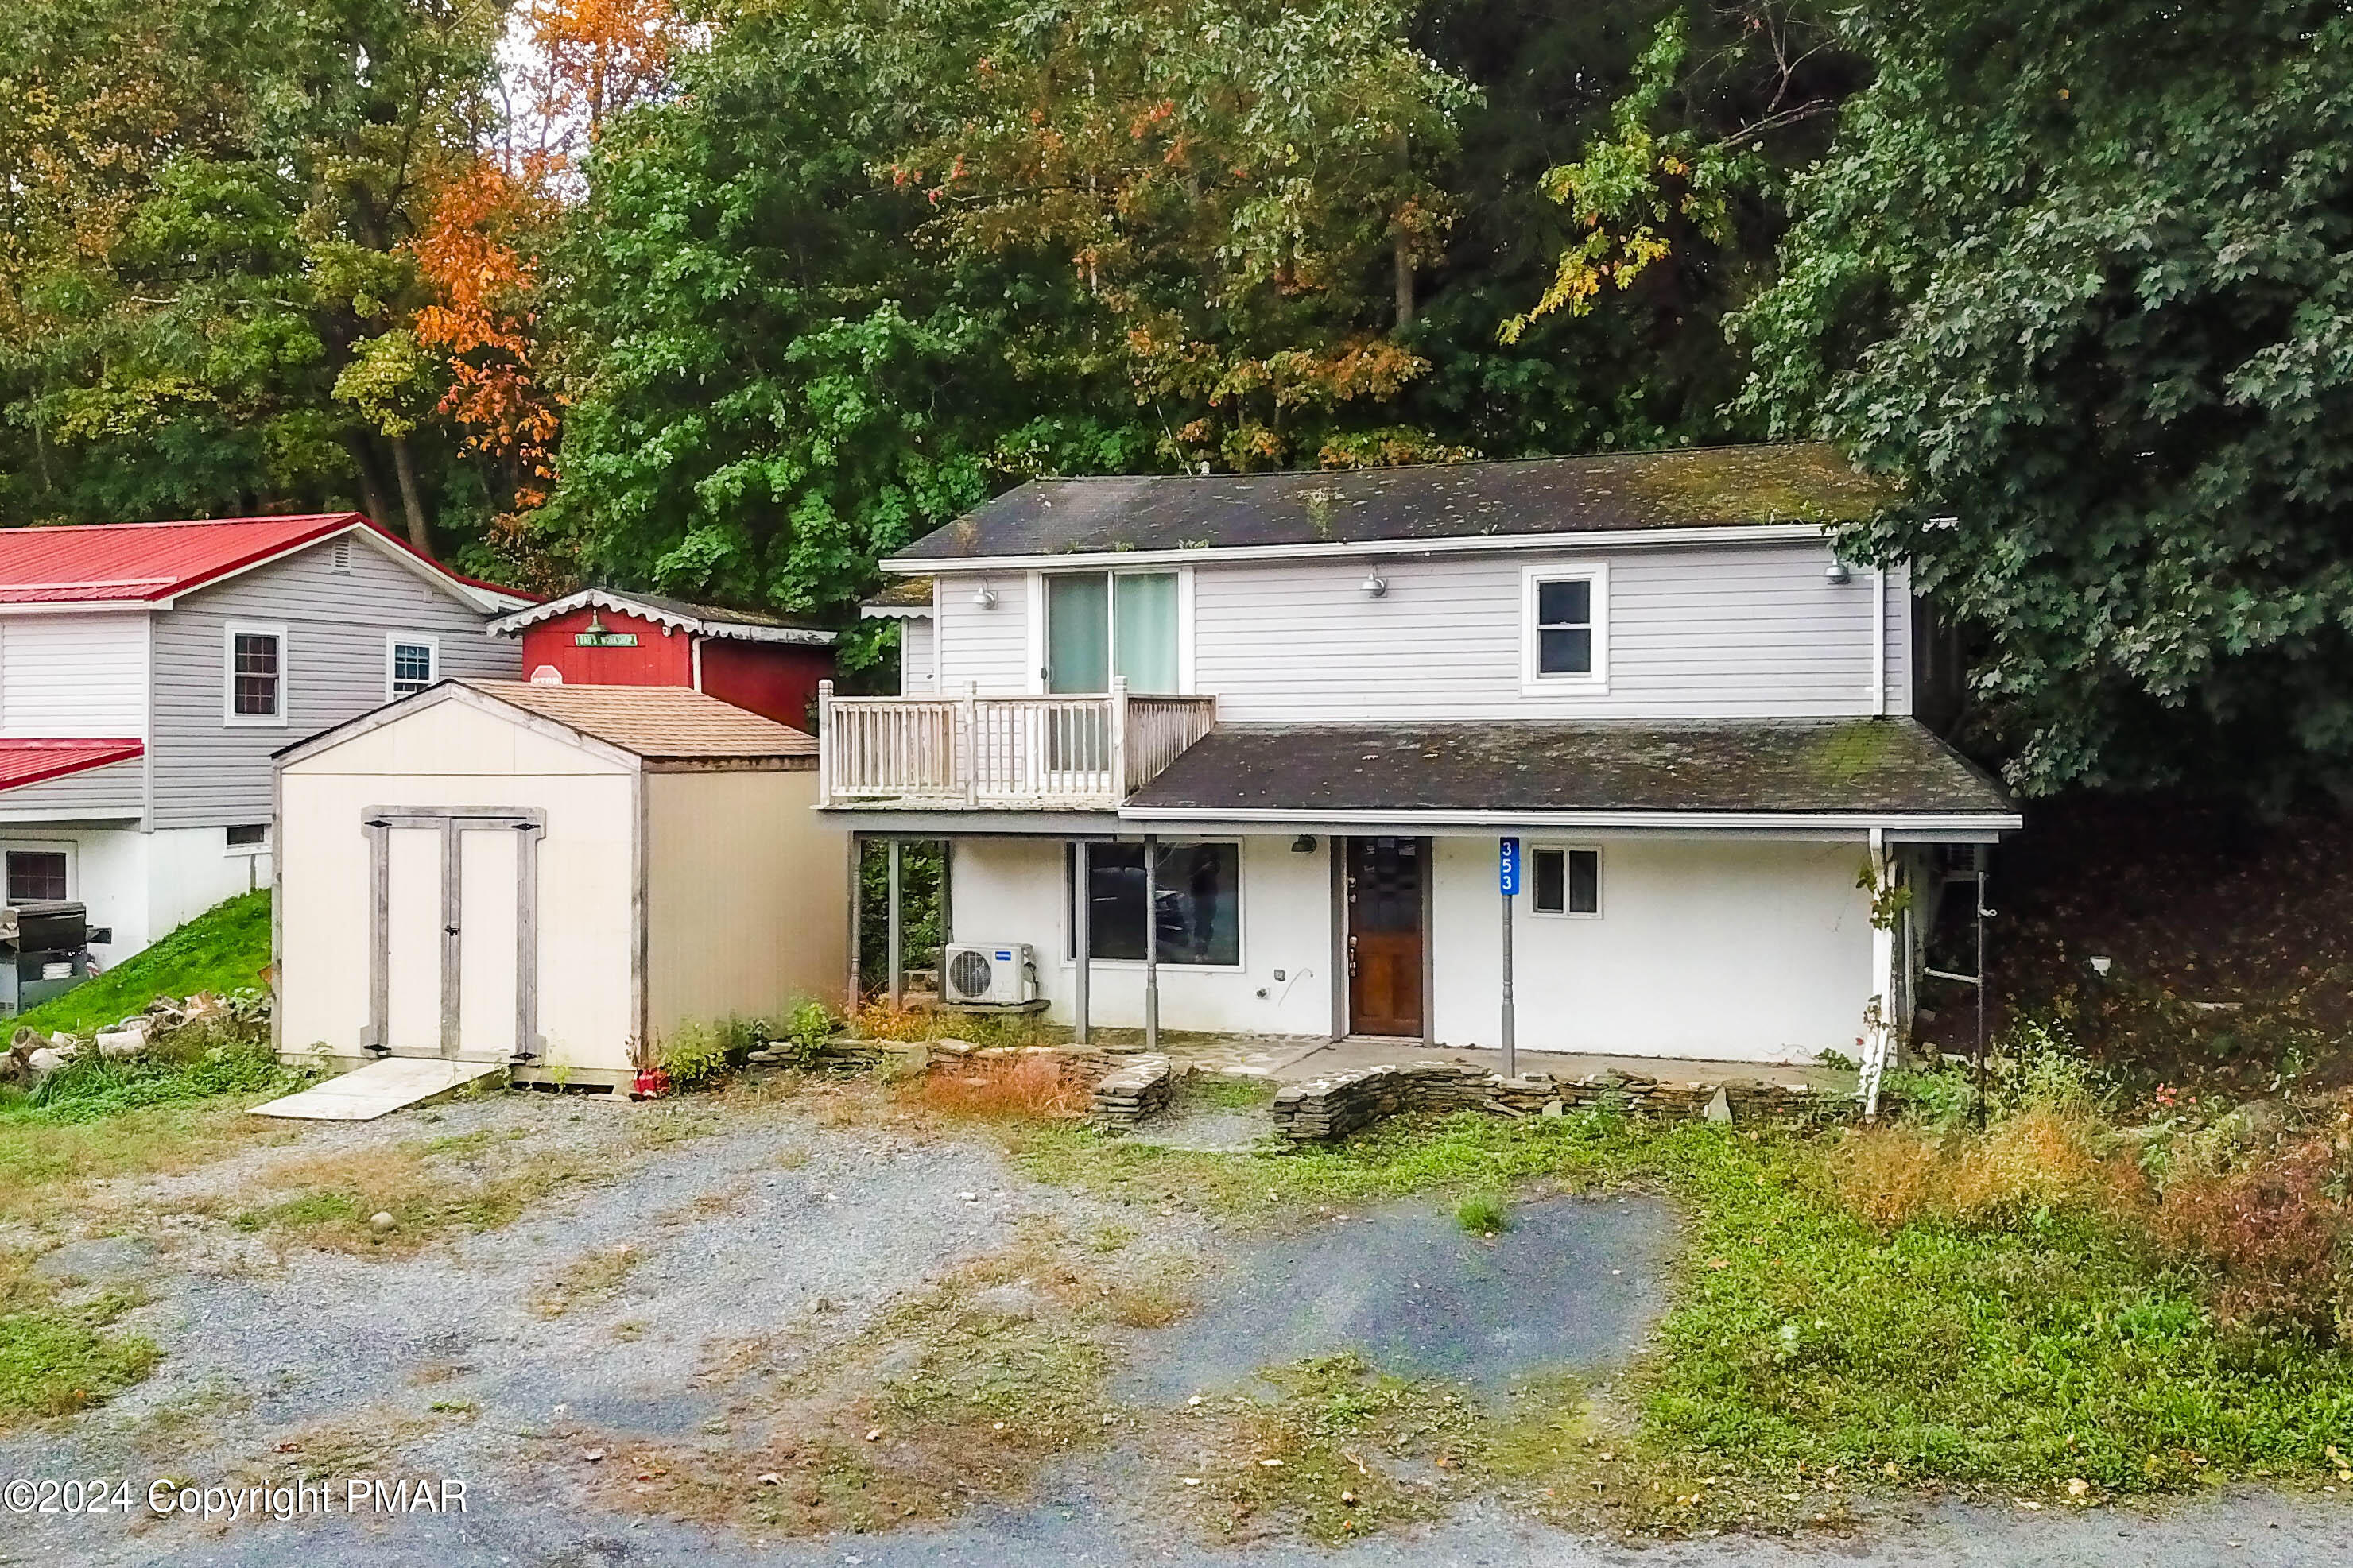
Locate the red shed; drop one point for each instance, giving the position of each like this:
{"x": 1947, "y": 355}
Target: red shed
{"x": 600, "y": 636}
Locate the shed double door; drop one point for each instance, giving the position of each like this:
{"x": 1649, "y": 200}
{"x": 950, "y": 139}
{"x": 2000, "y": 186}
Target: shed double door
{"x": 455, "y": 945}
{"x": 1388, "y": 881}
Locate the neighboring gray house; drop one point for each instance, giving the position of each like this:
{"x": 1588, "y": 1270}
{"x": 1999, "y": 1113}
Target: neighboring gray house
{"x": 1327, "y": 702}
{"x": 148, "y": 670}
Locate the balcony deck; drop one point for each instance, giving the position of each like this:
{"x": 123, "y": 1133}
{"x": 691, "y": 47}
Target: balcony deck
{"x": 1000, "y": 753}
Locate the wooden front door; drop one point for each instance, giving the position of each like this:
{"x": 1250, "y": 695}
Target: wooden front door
{"x": 1384, "y": 935}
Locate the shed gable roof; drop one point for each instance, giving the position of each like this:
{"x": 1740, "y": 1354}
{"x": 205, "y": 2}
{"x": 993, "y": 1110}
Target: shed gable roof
{"x": 1723, "y": 487}
{"x": 660, "y": 724}
{"x": 697, "y": 620}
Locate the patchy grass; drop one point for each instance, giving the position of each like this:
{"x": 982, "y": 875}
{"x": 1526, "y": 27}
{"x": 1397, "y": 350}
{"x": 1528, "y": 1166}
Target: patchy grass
{"x": 193, "y": 1065}
{"x": 1025, "y": 1087}
{"x": 591, "y": 1274}
{"x": 222, "y": 949}
{"x": 330, "y": 1200}
{"x": 1814, "y": 1349}
{"x": 1217, "y": 1091}
{"x": 1483, "y": 1214}
{"x": 42, "y": 1163}
{"x": 57, "y": 1357}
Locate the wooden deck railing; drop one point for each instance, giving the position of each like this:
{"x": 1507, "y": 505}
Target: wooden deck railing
{"x": 974, "y": 752}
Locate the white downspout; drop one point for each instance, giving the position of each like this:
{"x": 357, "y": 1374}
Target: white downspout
{"x": 1878, "y": 643}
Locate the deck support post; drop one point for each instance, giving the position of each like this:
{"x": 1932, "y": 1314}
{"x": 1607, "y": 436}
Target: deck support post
{"x": 1151, "y": 942}
{"x": 892, "y": 956}
{"x": 1083, "y": 900}
{"x": 1878, "y": 1012}
{"x": 857, "y": 917}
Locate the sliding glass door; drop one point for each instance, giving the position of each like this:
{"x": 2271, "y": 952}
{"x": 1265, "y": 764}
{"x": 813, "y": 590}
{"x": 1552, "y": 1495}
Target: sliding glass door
{"x": 1101, "y": 624}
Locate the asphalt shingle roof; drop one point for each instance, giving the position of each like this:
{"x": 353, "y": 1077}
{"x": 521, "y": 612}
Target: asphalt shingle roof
{"x": 660, "y": 724}
{"x": 1713, "y": 487}
{"x": 1893, "y": 766}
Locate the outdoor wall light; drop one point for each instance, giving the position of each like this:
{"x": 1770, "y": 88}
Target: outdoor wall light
{"x": 984, "y": 597}
{"x": 1838, "y": 574}
{"x": 1302, "y": 844}
{"x": 1375, "y": 585}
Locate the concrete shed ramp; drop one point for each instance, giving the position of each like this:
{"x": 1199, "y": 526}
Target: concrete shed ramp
{"x": 368, "y": 1092}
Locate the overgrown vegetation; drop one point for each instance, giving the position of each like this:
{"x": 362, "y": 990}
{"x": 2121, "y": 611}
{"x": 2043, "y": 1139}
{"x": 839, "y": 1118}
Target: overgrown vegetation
{"x": 1030, "y": 1084}
{"x": 221, "y": 952}
{"x": 2026, "y": 1308}
{"x": 699, "y": 1052}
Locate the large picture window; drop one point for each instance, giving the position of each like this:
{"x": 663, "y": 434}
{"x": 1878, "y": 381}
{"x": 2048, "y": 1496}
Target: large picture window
{"x": 1200, "y": 897}
{"x": 1101, "y": 624}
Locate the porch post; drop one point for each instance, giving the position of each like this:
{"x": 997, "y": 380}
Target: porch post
{"x": 1337, "y": 848}
{"x": 1511, "y": 1017}
{"x": 891, "y": 944}
{"x": 1082, "y": 936}
{"x": 1151, "y": 943}
{"x": 857, "y": 910}
{"x": 1880, "y": 1012}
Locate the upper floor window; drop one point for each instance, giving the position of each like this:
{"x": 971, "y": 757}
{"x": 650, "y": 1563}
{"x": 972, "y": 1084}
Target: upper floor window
{"x": 1566, "y": 628}
{"x": 255, "y": 672}
{"x": 1102, "y": 623}
{"x": 409, "y": 665}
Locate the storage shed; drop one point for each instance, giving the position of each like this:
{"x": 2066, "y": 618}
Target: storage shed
{"x": 559, "y": 877}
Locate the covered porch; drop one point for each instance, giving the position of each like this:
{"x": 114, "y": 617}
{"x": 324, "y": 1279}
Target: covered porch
{"x": 1754, "y": 894}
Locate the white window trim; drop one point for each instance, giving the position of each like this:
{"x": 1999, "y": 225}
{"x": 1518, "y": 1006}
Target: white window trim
{"x": 246, "y": 851}
{"x": 1069, "y": 946}
{"x": 230, "y": 716}
{"x": 65, "y": 847}
{"x": 392, "y": 640}
{"x": 1034, "y": 608}
{"x": 1596, "y": 683}
{"x": 1600, "y": 878}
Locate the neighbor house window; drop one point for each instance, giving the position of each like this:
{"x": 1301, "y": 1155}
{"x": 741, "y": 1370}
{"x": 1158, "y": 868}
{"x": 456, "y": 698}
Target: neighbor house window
{"x": 35, "y": 874}
{"x": 1102, "y": 623}
{"x": 1566, "y": 630}
{"x": 1566, "y": 881}
{"x": 1199, "y": 891}
{"x": 256, "y": 660}
{"x": 248, "y": 838}
{"x": 408, "y": 665}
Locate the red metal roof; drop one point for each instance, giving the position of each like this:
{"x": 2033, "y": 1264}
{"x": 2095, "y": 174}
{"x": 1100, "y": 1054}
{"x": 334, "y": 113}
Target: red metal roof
{"x": 145, "y": 562}
{"x": 30, "y": 762}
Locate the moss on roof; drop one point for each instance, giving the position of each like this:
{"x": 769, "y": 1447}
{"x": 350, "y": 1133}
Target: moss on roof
{"x": 1809, "y": 483}
{"x": 1724, "y": 487}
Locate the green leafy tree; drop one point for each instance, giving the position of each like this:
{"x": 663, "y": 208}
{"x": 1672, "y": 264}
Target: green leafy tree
{"x": 205, "y": 291}
{"x": 2082, "y": 277}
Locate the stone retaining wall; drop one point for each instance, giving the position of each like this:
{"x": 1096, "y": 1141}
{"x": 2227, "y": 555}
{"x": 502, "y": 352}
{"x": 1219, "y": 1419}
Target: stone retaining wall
{"x": 1320, "y": 1110}
{"x": 1131, "y": 1091}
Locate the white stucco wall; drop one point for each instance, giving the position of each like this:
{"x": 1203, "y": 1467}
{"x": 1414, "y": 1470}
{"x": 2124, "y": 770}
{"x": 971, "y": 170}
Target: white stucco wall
{"x": 1721, "y": 949}
{"x": 1011, "y": 889}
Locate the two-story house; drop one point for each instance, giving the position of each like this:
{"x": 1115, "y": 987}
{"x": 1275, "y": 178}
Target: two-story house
{"x": 1307, "y": 719}
{"x": 148, "y": 670}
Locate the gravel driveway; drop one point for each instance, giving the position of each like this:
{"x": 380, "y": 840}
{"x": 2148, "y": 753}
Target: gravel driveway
{"x": 667, "y": 1299}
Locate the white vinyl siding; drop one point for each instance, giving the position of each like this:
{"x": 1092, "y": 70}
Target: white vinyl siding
{"x": 1717, "y": 631}
{"x": 74, "y": 675}
{"x": 918, "y": 647}
{"x": 991, "y": 646}
{"x": 209, "y": 773}
{"x": 115, "y": 792}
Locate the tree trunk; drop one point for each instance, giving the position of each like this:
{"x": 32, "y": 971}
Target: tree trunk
{"x": 1404, "y": 278}
{"x": 363, "y": 463}
{"x": 412, "y": 503}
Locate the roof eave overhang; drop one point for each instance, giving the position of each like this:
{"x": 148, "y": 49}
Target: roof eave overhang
{"x": 1469, "y": 544}
{"x": 694, "y": 625}
{"x": 1896, "y": 826}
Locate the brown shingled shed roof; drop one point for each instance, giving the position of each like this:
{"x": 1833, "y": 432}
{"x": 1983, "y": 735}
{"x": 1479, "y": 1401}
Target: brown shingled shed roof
{"x": 1845, "y": 766}
{"x": 660, "y": 724}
